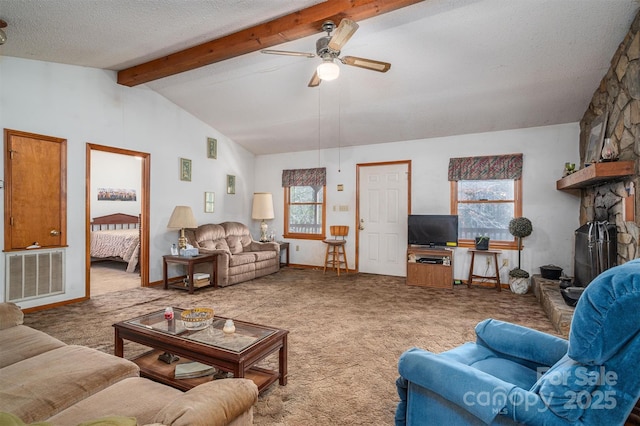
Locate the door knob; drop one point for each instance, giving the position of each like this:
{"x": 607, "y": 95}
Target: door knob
{"x": 361, "y": 227}
{"x": 54, "y": 233}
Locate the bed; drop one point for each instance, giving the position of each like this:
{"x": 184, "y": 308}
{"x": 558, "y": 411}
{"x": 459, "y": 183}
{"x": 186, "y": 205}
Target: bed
{"x": 116, "y": 237}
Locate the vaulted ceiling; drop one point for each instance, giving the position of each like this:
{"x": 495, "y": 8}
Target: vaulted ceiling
{"x": 458, "y": 66}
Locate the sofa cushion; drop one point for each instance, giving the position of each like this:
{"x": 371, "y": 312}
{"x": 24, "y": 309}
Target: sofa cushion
{"x": 209, "y": 236}
{"x": 111, "y": 421}
{"x": 8, "y": 419}
{"x": 10, "y": 315}
{"x": 242, "y": 259}
{"x": 563, "y": 383}
{"x": 41, "y": 386}
{"x": 264, "y": 255}
{"x": 22, "y": 342}
{"x": 237, "y": 229}
{"x": 210, "y": 404}
{"x": 488, "y": 361}
{"x": 132, "y": 397}
{"x": 235, "y": 244}
{"x": 220, "y": 244}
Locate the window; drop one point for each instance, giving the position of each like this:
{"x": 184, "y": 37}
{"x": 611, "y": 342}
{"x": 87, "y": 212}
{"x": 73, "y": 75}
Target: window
{"x": 485, "y": 207}
{"x": 304, "y": 212}
{"x": 486, "y": 193}
{"x": 304, "y": 203}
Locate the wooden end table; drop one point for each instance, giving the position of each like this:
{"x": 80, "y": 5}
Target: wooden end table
{"x": 495, "y": 278}
{"x": 284, "y": 245}
{"x": 190, "y": 262}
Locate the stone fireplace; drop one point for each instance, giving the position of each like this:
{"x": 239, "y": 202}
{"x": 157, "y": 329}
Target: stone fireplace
{"x": 607, "y": 190}
{"x": 618, "y": 97}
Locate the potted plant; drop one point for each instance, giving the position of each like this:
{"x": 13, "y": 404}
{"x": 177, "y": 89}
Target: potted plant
{"x": 519, "y": 227}
{"x": 482, "y": 242}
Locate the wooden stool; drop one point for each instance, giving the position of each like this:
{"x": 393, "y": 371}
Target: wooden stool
{"x": 335, "y": 254}
{"x": 495, "y": 278}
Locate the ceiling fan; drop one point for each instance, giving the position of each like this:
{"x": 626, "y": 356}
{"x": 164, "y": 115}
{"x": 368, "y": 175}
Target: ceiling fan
{"x": 328, "y": 48}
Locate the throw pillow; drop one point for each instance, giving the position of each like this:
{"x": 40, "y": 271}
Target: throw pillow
{"x": 10, "y": 315}
{"x": 8, "y": 419}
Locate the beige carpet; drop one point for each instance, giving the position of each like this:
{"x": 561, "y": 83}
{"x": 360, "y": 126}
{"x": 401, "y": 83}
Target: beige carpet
{"x": 109, "y": 276}
{"x": 346, "y": 333}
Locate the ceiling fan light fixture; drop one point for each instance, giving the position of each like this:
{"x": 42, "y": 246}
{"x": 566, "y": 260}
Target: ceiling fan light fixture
{"x": 328, "y": 70}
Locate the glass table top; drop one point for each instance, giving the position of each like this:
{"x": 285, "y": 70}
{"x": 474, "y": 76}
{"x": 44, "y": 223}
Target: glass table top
{"x": 244, "y": 336}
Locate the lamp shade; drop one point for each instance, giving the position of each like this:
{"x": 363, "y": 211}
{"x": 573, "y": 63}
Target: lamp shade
{"x": 328, "y": 70}
{"x": 262, "y": 206}
{"x": 182, "y": 217}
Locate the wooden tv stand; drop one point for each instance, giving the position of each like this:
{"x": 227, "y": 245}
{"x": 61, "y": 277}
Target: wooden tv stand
{"x": 436, "y": 271}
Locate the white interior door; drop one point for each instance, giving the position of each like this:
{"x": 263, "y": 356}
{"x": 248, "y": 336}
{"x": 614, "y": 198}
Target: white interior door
{"x": 383, "y": 209}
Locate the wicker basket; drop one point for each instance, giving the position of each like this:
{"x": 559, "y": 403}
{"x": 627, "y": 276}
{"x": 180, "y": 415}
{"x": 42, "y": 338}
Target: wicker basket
{"x": 197, "y": 318}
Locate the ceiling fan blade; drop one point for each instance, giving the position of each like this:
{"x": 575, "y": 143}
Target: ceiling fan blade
{"x": 369, "y": 64}
{"x": 288, "y": 53}
{"x": 342, "y": 34}
{"x": 315, "y": 80}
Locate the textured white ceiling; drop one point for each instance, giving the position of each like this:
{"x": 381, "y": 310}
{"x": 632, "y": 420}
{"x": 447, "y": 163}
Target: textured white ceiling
{"x": 458, "y": 66}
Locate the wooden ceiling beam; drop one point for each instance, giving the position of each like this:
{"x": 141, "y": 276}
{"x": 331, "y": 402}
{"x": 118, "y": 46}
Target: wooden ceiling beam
{"x": 290, "y": 27}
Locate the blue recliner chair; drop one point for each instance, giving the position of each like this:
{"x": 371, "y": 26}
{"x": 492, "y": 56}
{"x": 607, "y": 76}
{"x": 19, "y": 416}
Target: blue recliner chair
{"x": 516, "y": 375}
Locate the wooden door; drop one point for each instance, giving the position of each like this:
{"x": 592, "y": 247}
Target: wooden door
{"x": 383, "y": 206}
{"x": 35, "y": 194}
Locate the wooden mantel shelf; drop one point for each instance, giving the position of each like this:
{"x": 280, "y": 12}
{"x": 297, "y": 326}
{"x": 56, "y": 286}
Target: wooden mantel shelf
{"x": 596, "y": 173}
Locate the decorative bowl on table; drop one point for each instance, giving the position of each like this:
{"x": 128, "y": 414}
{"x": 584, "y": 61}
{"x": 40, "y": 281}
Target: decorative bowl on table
{"x": 197, "y": 318}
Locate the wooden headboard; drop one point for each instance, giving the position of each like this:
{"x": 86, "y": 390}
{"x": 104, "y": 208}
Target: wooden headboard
{"x": 115, "y": 221}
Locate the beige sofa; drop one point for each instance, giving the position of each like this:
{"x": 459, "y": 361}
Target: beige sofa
{"x": 44, "y": 379}
{"x": 240, "y": 258}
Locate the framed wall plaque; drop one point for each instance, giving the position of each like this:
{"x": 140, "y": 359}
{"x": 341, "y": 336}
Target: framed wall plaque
{"x": 185, "y": 169}
{"x": 231, "y": 184}
{"x": 209, "y": 201}
{"x": 212, "y": 148}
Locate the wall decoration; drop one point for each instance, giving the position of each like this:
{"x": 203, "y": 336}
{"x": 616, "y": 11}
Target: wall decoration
{"x": 111, "y": 194}
{"x": 596, "y": 137}
{"x": 185, "y": 169}
{"x": 209, "y": 201}
{"x": 231, "y": 184}
{"x": 212, "y": 148}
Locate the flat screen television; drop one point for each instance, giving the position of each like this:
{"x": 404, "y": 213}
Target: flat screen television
{"x": 433, "y": 230}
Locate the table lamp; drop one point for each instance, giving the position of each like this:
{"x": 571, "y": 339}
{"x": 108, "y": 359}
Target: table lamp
{"x": 262, "y": 209}
{"x": 182, "y": 217}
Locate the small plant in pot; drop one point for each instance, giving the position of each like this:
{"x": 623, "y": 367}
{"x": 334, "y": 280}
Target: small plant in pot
{"x": 519, "y": 227}
{"x": 482, "y": 242}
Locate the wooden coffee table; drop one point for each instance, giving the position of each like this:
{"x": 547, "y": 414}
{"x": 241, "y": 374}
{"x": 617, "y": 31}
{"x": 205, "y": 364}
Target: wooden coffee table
{"x": 237, "y": 353}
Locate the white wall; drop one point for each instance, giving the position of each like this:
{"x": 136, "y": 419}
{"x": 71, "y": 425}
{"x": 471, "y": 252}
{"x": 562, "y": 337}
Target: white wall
{"x": 554, "y": 214}
{"x": 114, "y": 171}
{"x": 85, "y": 105}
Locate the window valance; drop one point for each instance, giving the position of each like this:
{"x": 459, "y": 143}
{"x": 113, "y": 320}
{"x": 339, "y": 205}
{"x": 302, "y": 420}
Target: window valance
{"x": 304, "y": 177}
{"x": 485, "y": 168}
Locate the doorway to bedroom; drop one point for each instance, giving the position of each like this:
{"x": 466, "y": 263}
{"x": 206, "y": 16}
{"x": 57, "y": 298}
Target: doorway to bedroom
{"x": 117, "y": 211}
